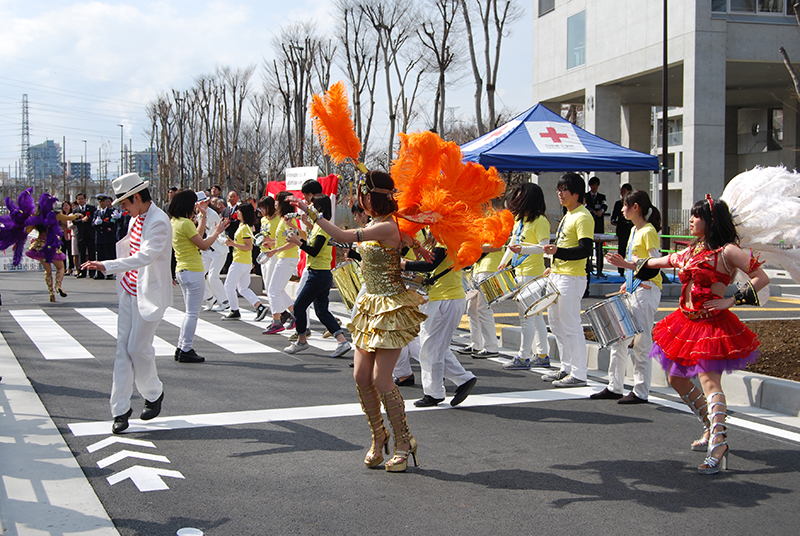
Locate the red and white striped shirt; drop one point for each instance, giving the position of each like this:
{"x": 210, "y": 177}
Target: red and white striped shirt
{"x": 130, "y": 277}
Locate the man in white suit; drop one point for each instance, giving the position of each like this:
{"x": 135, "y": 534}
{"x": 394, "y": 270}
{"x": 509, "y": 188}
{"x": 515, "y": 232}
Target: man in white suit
{"x": 145, "y": 291}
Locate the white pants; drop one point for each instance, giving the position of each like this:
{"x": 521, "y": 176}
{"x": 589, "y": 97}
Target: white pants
{"x": 266, "y": 271}
{"x": 135, "y": 359}
{"x": 192, "y": 284}
{"x": 279, "y": 299}
{"x": 435, "y": 357}
{"x": 533, "y": 329}
{"x": 213, "y": 263}
{"x": 565, "y": 323}
{"x": 239, "y": 280}
{"x": 482, "y": 329}
{"x": 644, "y": 304}
{"x": 403, "y": 366}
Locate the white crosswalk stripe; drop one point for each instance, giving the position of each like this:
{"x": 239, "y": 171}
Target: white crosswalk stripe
{"x": 52, "y": 340}
{"x": 224, "y": 338}
{"x": 106, "y": 320}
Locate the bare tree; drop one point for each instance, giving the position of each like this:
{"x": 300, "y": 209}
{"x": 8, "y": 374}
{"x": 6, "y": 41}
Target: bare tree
{"x": 494, "y": 15}
{"x": 786, "y": 61}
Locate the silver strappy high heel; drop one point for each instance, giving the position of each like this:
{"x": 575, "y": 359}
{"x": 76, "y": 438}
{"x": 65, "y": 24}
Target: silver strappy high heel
{"x": 700, "y": 445}
{"x": 718, "y": 410}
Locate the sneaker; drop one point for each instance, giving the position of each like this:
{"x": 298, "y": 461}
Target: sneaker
{"x": 327, "y": 334}
{"x": 569, "y": 381}
{"x": 484, "y": 354}
{"x": 427, "y": 401}
{"x": 467, "y": 350}
{"x": 273, "y": 328}
{"x": 293, "y": 336}
{"x": 210, "y": 304}
{"x": 518, "y": 364}
{"x": 296, "y": 347}
{"x": 220, "y": 307}
{"x": 289, "y": 324}
{"x": 261, "y": 312}
{"x": 542, "y": 362}
{"x": 233, "y": 315}
{"x": 341, "y": 349}
{"x": 555, "y": 376}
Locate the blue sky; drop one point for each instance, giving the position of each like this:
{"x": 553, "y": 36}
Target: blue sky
{"x": 89, "y": 66}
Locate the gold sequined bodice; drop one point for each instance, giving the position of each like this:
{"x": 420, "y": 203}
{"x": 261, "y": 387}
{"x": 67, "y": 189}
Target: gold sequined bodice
{"x": 381, "y": 269}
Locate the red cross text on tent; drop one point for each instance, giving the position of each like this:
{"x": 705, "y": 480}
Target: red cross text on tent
{"x": 553, "y": 135}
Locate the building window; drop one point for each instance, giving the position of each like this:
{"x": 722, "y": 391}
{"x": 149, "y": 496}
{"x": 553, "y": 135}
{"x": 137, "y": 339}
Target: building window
{"x": 751, "y": 6}
{"x": 774, "y": 129}
{"x": 576, "y": 40}
{"x": 771, "y": 6}
{"x": 719, "y": 6}
{"x": 546, "y": 6}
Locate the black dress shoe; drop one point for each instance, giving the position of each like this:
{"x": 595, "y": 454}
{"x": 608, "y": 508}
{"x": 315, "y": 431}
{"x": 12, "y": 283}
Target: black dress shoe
{"x": 462, "y": 391}
{"x": 407, "y": 382}
{"x": 190, "y": 357}
{"x": 605, "y": 394}
{"x": 177, "y": 353}
{"x": 121, "y": 422}
{"x": 80, "y": 276}
{"x": 631, "y": 398}
{"x": 152, "y": 409}
{"x": 428, "y": 401}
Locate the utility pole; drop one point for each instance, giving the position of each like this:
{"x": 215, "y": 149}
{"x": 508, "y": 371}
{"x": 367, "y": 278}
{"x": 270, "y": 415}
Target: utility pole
{"x": 121, "y": 147}
{"x": 85, "y": 164}
{"x": 664, "y": 142}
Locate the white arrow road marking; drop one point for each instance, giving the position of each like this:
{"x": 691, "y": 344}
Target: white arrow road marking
{"x": 121, "y": 455}
{"x": 116, "y": 439}
{"x": 219, "y": 336}
{"x": 145, "y": 478}
{"x": 51, "y": 339}
{"x": 106, "y": 319}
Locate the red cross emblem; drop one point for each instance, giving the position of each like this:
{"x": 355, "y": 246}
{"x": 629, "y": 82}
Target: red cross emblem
{"x": 553, "y": 135}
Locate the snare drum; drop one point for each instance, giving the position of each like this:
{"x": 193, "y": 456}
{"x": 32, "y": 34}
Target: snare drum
{"x": 347, "y": 277}
{"x": 536, "y": 296}
{"x": 469, "y": 289}
{"x": 414, "y": 281}
{"x": 259, "y": 240}
{"x": 262, "y": 258}
{"x": 612, "y": 320}
{"x": 499, "y": 286}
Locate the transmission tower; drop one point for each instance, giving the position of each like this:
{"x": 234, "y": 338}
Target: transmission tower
{"x": 25, "y": 161}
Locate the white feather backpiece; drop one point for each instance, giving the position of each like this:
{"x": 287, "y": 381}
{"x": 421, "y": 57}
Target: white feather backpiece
{"x": 765, "y": 205}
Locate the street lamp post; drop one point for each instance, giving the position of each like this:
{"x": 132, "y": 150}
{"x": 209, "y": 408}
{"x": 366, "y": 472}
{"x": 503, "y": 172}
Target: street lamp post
{"x": 121, "y": 155}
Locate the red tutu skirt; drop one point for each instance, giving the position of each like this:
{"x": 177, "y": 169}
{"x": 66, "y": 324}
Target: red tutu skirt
{"x": 720, "y": 343}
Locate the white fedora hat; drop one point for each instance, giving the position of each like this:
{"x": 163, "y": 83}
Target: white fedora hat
{"x": 127, "y": 185}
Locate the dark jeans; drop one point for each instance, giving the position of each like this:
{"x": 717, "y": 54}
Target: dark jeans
{"x": 316, "y": 291}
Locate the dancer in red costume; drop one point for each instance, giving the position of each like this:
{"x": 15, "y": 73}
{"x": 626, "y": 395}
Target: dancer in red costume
{"x": 703, "y": 337}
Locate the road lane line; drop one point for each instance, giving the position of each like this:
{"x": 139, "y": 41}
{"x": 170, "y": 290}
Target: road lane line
{"x": 219, "y": 336}
{"x": 52, "y": 340}
{"x": 106, "y": 319}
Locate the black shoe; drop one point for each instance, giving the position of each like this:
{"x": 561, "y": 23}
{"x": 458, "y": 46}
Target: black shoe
{"x": 428, "y": 401}
{"x": 467, "y": 350}
{"x": 190, "y": 357}
{"x": 463, "y": 391}
{"x": 101, "y": 277}
{"x": 485, "y": 354}
{"x": 152, "y": 409}
{"x": 233, "y": 315}
{"x": 121, "y": 423}
{"x": 110, "y": 276}
{"x": 80, "y": 276}
{"x": 409, "y": 381}
{"x": 605, "y": 394}
{"x": 285, "y": 316}
{"x": 352, "y": 365}
{"x": 261, "y": 312}
{"x": 631, "y": 398}
{"x": 177, "y": 353}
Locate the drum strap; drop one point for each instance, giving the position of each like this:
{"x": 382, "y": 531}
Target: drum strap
{"x": 517, "y": 259}
{"x": 430, "y": 280}
{"x": 631, "y": 283}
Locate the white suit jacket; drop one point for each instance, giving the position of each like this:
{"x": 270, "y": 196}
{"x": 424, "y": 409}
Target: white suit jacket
{"x": 154, "y": 282}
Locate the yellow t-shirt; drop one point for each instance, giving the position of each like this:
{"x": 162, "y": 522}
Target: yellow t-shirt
{"x": 410, "y": 255}
{"x": 489, "y": 263}
{"x": 447, "y": 287}
{"x": 641, "y": 242}
{"x": 187, "y": 255}
{"x": 532, "y": 232}
{"x": 268, "y": 226}
{"x": 239, "y": 255}
{"x": 575, "y": 225}
{"x": 325, "y": 256}
{"x": 291, "y": 253}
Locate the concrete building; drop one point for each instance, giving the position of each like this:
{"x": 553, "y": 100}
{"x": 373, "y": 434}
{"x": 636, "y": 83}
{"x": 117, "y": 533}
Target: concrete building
{"x": 730, "y": 96}
{"x": 45, "y": 159}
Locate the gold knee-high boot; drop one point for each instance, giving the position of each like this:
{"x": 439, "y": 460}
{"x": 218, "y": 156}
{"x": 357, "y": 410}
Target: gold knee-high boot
{"x": 396, "y": 411}
{"x": 59, "y": 280}
{"x": 48, "y": 279}
{"x": 371, "y": 404}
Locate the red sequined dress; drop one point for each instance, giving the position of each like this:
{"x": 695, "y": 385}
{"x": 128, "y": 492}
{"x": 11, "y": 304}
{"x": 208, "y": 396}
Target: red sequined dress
{"x": 690, "y": 341}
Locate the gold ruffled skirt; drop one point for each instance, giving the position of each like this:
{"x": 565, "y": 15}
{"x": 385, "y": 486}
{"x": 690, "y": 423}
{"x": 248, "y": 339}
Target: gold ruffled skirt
{"x": 386, "y": 321}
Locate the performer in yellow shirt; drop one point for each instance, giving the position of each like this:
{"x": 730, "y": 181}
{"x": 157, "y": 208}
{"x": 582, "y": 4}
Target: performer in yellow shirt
{"x": 574, "y": 243}
{"x": 643, "y": 297}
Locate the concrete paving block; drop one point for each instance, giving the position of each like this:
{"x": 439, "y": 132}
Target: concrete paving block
{"x": 743, "y": 389}
{"x": 781, "y": 395}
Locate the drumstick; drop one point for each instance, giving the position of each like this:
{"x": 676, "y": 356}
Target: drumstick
{"x": 615, "y": 293}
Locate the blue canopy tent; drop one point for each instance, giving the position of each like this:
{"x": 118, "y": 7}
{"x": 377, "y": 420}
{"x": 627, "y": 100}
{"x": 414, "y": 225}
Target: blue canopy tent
{"x": 540, "y": 140}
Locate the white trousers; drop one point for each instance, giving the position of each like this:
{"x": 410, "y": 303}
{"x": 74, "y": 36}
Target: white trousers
{"x": 279, "y": 299}
{"x": 403, "y": 366}
{"x": 192, "y": 284}
{"x": 565, "y": 323}
{"x": 213, "y": 264}
{"x": 266, "y": 271}
{"x": 644, "y": 304}
{"x": 436, "y": 359}
{"x": 239, "y": 280}
{"x": 135, "y": 359}
{"x": 533, "y": 329}
{"x": 482, "y": 329}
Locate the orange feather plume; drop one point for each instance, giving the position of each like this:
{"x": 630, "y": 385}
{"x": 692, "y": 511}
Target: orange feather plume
{"x": 333, "y": 124}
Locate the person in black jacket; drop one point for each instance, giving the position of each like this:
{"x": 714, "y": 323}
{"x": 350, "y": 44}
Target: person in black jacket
{"x": 596, "y": 203}
{"x": 621, "y": 225}
{"x": 230, "y": 213}
{"x": 85, "y": 232}
{"x": 105, "y": 227}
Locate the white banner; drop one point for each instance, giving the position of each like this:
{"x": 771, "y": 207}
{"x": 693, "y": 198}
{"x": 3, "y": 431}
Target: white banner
{"x": 295, "y": 177}
{"x": 554, "y": 137}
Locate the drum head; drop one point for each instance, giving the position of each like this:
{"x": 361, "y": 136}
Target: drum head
{"x": 541, "y": 305}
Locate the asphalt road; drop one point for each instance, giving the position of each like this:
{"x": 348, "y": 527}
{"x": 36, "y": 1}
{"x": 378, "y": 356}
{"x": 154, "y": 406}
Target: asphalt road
{"x": 257, "y": 442}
